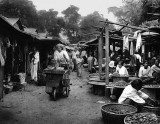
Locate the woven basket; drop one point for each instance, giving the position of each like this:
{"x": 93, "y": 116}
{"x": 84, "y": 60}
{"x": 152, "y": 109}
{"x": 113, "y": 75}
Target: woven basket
{"x": 113, "y": 118}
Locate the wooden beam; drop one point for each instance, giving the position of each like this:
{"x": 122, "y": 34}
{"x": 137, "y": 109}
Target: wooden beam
{"x": 128, "y": 26}
{"x": 100, "y": 54}
{"x": 123, "y": 27}
{"x": 155, "y": 14}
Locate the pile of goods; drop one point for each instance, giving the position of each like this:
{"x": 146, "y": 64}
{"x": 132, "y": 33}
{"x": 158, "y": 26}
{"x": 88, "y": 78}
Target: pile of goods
{"x": 115, "y": 74}
{"x": 120, "y": 83}
{"x": 117, "y": 111}
{"x": 141, "y": 118}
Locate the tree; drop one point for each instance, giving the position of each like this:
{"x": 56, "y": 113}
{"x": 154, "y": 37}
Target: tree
{"x": 72, "y": 18}
{"x": 129, "y": 13}
{"x": 51, "y": 22}
{"x": 88, "y": 24}
{"x": 23, "y": 9}
{"x": 136, "y": 12}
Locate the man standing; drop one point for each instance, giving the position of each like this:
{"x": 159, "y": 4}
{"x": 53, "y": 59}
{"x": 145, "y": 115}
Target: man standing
{"x": 74, "y": 53}
{"x": 34, "y": 65}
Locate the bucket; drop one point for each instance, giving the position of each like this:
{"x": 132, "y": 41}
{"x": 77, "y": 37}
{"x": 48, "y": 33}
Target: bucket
{"x": 22, "y": 77}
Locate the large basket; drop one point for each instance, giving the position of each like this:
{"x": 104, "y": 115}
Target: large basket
{"x": 155, "y": 110}
{"x": 116, "y": 79}
{"x": 114, "y": 118}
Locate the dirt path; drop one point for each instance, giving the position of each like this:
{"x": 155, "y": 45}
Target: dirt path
{"x": 34, "y": 106}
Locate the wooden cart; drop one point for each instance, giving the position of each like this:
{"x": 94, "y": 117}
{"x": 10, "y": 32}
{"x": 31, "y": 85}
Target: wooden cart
{"x": 57, "y": 82}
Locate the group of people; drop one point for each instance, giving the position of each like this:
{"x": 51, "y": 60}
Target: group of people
{"x": 67, "y": 58}
{"x": 132, "y": 93}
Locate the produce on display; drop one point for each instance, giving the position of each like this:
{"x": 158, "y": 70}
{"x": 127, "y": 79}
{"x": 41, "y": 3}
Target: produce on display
{"x": 141, "y": 118}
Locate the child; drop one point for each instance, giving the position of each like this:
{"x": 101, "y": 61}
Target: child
{"x": 79, "y": 62}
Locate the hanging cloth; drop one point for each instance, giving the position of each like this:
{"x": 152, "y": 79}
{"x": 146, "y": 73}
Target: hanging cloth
{"x": 131, "y": 48}
{"x": 1, "y": 56}
{"x": 142, "y": 48}
{"x": 139, "y": 42}
{"x": 125, "y": 43}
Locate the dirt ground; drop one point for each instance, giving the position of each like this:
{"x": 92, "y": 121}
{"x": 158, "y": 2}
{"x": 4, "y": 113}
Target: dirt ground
{"x": 34, "y": 106}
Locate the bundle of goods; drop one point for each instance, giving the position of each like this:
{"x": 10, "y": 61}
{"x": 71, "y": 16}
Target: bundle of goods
{"x": 141, "y": 118}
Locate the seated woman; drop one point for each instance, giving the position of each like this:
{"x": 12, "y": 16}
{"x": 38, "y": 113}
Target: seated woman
{"x": 133, "y": 95}
{"x": 155, "y": 71}
{"x": 145, "y": 73}
{"x": 121, "y": 70}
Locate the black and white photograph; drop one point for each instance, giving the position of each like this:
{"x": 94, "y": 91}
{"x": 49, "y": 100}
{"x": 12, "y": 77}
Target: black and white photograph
{"x": 79, "y": 62}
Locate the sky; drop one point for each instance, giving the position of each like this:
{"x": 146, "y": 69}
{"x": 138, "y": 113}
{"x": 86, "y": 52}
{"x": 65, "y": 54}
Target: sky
{"x": 85, "y": 6}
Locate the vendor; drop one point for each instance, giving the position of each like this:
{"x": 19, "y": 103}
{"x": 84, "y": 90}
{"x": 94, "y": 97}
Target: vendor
{"x": 145, "y": 73}
{"x": 133, "y": 95}
{"x": 155, "y": 71}
{"x": 121, "y": 70}
{"x": 60, "y": 55}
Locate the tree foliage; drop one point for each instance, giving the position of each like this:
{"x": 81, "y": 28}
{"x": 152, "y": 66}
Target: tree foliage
{"x": 23, "y": 9}
{"x": 136, "y": 12}
{"x": 72, "y": 18}
{"x": 88, "y": 24}
{"x": 51, "y": 22}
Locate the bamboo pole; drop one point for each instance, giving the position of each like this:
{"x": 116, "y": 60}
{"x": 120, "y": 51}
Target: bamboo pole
{"x": 107, "y": 52}
{"x": 100, "y": 54}
{"x": 128, "y": 26}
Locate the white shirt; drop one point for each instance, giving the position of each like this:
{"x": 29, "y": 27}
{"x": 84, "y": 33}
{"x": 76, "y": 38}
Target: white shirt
{"x": 83, "y": 53}
{"x": 145, "y": 72}
{"x": 56, "y": 55}
{"x": 64, "y": 53}
{"x": 74, "y": 54}
{"x": 60, "y": 55}
{"x": 122, "y": 71}
{"x": 111, "y": 64}
{"x": 138, "y": 57}
{"x": 131, "y": 93}
{"x": 79, "y": 60}
{"x": 36, "y": 58}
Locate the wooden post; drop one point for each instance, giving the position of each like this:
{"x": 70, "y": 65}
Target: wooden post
{"x": 107, "y": 52}
{"x": 100, "y": 53}
{"x": 113, "y": 46}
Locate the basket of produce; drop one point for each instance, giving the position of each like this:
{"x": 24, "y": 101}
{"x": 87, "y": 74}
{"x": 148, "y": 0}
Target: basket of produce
{"x": 141, "y": 118}
{"x": 115, "y": 113}
{"x": 116, "y": 77}
{"x": 152, "y": 109}
{"x": 120, "y": 83}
